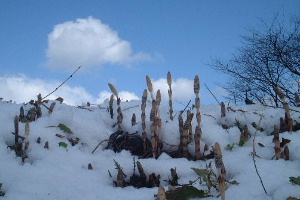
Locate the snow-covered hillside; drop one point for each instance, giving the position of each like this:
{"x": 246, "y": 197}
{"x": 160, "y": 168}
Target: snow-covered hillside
{"x": 62, "y": 173}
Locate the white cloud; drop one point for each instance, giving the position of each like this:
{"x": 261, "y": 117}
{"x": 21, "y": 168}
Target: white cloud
{"x": 124, "y": 95}
{"x": 89, "y": 43}
{"x": 182, "y": 89}
{"x": 22, "y": 89}
{"x": 128, "y": 96}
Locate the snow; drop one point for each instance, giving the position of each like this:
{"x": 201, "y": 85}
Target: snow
{"x": 62, "y": 173}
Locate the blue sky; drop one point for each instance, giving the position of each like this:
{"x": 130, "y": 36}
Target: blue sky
{"x": 121, "y": 42}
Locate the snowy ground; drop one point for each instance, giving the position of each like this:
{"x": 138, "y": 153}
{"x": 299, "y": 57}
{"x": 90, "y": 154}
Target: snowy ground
{"x": 62, "y": 173}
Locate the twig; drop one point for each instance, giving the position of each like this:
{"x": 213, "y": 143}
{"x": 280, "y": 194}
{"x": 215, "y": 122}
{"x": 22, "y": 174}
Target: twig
{"x": 171, "y": 145}
{"x": 212, "y": 94}
{"x": 186, "y": 106}
{"x": 253, "y": 156}
{"x": 280, "y": 107}
{"x": 82, "y": 107}
{"x": 130, "y": 107}
{"x": 210, "y": 116}
{"x": 190, "y": 182}
{"x": 62, "y": 83}
{"x": 19, "y": 136}
{"x": 99, "y": 145}
{"x": 107, "y": 140}
{"x": 45, "y": 106}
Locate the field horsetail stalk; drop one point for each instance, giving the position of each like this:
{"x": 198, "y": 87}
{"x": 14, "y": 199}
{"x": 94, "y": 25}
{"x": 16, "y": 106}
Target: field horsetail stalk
{"x": 119, "y": 111}
{"x": 221, "y": 170}
{"x": 288, "y": 122}
{"x": 27, "y": 131}
{"x": 169, "y": 80}
{"x": 143, "y": 117}
{"x": 198, "y": 131}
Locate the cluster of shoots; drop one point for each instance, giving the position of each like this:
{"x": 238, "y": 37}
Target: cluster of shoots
{"x": 136, "y": 180}
{"x": 36, "y": 111}
{"x": 156, "y": 120}
{"x": 184, "y": 129}
{"x": 18, "y": 145}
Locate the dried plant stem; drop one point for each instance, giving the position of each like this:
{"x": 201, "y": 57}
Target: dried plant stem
{"x": 281, "y": 107}
{"x": 99, "y": 145}
{"x": 62, "y": 83}
{"x": 253, "y": 156}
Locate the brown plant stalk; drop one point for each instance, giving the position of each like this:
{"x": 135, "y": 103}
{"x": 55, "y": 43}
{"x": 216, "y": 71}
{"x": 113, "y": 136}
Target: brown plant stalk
{"x": 169, "y": 80}
{"x": 198, "y": 130}
{"x": 143, "y": 117}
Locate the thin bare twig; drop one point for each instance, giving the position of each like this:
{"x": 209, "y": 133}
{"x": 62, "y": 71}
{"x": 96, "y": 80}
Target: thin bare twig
{"x": 107, "y": 140}
{"x": 281, "y": 108}
{"x": 99, "y": 145}
{"x": 210, "y": 116}
{"x": 171, "y": 145}
{"x": 253, "y": 156}
{"x": 130, "y": 107}
{"x": 212, "y": 94}
{"x": 186, "y": 106}
{"x": 62, "y": 83}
